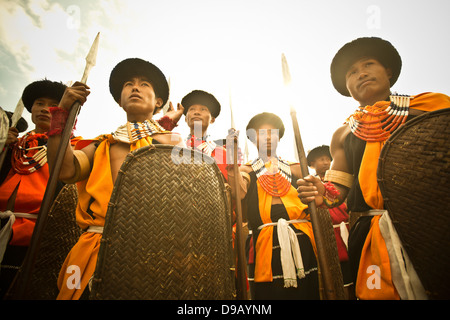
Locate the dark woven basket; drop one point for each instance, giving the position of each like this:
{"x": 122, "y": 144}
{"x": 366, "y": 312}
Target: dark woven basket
{"x": 414, "y": 178}
{"x": 167, "y": 233}
{"x": 59, "y": 236}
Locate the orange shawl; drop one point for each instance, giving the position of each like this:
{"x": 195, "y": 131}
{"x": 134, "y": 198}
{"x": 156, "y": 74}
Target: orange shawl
{"x": 368, "y": 171}
{"x": 374, "y": 252}
{"x": 30, "y": 192}
{"x": 99, "y": 187}
{"x": 263, "y": 247}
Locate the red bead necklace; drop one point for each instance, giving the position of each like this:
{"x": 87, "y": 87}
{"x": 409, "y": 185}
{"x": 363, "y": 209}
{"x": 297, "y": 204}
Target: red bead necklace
{"x": 28, "y": 156}
{"x": 274, "y": 179}
{"x": 376, "y": 123}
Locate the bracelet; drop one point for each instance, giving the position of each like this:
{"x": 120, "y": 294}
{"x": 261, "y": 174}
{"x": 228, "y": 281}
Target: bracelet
{"x": 58, "y": 122}
{"x": 167, "y": 123}
{"x": 330, "y": 198}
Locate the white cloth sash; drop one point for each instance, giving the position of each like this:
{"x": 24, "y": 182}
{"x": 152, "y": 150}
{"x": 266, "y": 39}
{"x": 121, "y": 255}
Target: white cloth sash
{"x": 404, "y": 276}
{"x": 5, "y": 232}
{"x": 95, "y": 229}
{"x": 291, "y": 258}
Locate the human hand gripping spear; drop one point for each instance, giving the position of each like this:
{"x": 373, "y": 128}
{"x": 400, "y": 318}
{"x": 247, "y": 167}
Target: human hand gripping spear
{"x": 331, "y": 292}
{"x": 239, "y": 244}
{"x": 24, "y": 274}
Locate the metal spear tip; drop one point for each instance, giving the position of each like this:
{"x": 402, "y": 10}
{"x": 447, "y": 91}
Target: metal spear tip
{"x": 233, "y": 125}
{"x": 91, "y": 57}
{"x": 17, "y": 113}
{"x": 285, "y": 68}
{"x": 292, "y": 110}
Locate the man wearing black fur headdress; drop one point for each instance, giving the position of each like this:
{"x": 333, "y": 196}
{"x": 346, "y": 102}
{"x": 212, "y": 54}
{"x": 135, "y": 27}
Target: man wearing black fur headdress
{"x": 366, "y": 69}
{"x": 23, "y": 188}
{"x": 141, "y": 90}
{"x": 281, "y": 251}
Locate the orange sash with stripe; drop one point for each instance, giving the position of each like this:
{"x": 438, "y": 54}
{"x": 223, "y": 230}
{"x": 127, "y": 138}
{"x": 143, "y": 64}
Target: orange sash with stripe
{"x": 263, "y": 247}
{"x": 98, "y": 187}
{"x": 374, "y": 252}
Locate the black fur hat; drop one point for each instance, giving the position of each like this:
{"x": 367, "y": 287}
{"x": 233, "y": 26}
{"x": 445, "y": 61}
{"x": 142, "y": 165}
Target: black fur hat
{"x": 261, "y": 119}
{"x": 318, "y": 152}
{"x": 132, "y": 67}
{"x": 351, "y": 52}
{"x": 42, "y": 89}
{"x": 203, "y": 98}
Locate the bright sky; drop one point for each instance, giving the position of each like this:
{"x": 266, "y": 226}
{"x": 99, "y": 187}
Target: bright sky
{"x": 230, "y": 48}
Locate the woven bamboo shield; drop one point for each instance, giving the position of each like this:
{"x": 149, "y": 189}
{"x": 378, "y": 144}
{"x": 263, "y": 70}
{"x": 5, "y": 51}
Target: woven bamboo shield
{"x": 414, "y": 178}
{"x": 167, "y": 232}
{"x": 59, "y": 236}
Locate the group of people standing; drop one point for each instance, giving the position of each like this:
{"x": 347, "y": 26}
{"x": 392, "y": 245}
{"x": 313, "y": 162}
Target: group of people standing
{"x": 281, "y": 250}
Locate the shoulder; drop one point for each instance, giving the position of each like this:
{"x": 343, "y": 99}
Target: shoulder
{"x": 246, "y": 168}
{"x": 342, "y": 131}
{"x": 169, "y": 138}
{"x": 338, "y": 138}
{"x": 79, "y": 143}
{"x": 432, "y": 95}
{"x": 430, "y": 101}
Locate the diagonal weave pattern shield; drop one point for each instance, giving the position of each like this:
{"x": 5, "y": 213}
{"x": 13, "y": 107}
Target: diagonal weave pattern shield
{"x": 167, "y": 233}
{"x": 414, "y": 178}
{"x": 59, "y": 236}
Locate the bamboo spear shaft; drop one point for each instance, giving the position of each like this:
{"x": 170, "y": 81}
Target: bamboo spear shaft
{"x": 318, "y": 234}
{"x": 239, "y": 244}
{"x": 24, "y": 274}
{"x": 242, "y": 263}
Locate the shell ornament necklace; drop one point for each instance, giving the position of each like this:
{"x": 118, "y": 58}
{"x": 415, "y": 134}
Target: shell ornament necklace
{"x": 133, "y": 131}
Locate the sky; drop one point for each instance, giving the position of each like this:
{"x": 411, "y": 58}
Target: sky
{"x": 230, "y": 48}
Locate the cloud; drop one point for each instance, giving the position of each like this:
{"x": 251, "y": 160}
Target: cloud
{"x": 37, "y": 35}
{"x": 222, "y": 46}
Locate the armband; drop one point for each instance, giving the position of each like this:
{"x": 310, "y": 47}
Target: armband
{"x": 340, "y": 177}
{"x": 82, "y": 167}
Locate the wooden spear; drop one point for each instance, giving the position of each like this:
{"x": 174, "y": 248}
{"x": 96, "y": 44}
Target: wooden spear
{"x": 318, "y": 234}
{"x": 24, "y": 274}
{"x": 239, "y": 243}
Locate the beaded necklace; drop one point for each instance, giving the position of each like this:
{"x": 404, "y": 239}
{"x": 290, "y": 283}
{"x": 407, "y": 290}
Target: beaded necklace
{"x": 29, "y": 156}
{"x": 275, "y": 179}
{"x": 376, "y": 123}
{"x": 133, "y": 131}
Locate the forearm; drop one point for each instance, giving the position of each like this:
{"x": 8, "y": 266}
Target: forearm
{"x": 339, "y": 176}
{"x": 57, "y": 125}
{"x": 67, "y": 167}
{"x": 78, "y": 92}
{"x": 337, "y": 185}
